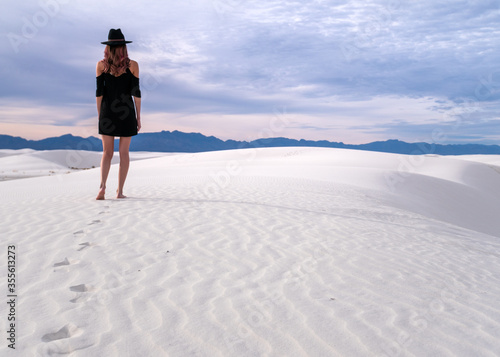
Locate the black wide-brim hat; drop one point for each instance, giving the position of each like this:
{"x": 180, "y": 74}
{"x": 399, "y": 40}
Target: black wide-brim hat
{"x": 115, "y": 38}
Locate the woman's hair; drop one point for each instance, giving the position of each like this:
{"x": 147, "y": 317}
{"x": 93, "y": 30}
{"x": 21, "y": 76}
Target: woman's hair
{"x": 116, "y": 59}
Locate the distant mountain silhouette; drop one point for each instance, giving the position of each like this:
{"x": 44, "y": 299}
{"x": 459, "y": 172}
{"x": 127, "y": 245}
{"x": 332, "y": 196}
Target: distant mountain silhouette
{"x": 177, "y": 141}
{"x": 64, "y": 142}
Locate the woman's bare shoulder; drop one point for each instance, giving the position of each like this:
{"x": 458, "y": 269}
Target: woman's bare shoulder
{"x": 99, "y": 68}
{"x": 134, "y": 68}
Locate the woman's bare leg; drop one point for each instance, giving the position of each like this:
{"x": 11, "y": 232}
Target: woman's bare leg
{"x": 124, "y": 164}
{"x": 108, "y": 143}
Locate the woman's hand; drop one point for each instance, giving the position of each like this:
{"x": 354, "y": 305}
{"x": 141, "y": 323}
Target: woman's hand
{"x": 138, "y": 124}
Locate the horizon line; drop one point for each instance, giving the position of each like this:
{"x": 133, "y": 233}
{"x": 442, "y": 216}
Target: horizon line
{"x": 258, "y": 139}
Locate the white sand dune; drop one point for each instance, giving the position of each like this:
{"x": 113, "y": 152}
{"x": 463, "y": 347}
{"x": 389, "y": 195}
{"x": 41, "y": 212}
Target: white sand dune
{"x": 26, "y": 163}
{"x": 258, "y": 252}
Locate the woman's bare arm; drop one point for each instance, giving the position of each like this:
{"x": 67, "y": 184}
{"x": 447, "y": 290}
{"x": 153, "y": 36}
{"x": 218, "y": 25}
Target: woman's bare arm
{"x": 134, "y": 68}
{"x": 137, "y": 102}
{"x": 98, "y": 71}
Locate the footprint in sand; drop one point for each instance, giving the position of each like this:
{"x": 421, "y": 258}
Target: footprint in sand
{"x": 78, "y": 233}
{"x": 69, "y": 330}
{"x": 80, "y": 298}
{"x": 81, "y": 289}
{"x": 66, "y": 262}
{"x": 84, "y": 245}
{"x": 95, "y": 221}
{"x": 106, "y": 210}
{"x": 63, "y": 263}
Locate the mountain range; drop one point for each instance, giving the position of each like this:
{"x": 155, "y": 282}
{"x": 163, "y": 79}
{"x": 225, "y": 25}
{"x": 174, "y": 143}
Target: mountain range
{"x": 176, "y": 141}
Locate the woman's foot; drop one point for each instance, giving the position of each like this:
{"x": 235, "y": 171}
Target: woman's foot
{"x": 100, "y": 195}
{"x": 120, "y": 194}
{"x": 102, "y": 192}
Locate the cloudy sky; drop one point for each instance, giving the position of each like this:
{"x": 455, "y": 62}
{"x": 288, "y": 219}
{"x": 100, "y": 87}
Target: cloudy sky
{"x": 338, "y": 70}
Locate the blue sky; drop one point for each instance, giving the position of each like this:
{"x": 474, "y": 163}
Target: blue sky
{"x": 351, "y": 71}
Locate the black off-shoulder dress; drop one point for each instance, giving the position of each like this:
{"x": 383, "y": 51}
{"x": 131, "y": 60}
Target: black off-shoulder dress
{"x": 117, "y": 116}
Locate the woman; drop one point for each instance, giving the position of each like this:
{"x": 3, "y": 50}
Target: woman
{"x": 117, "y": 82}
